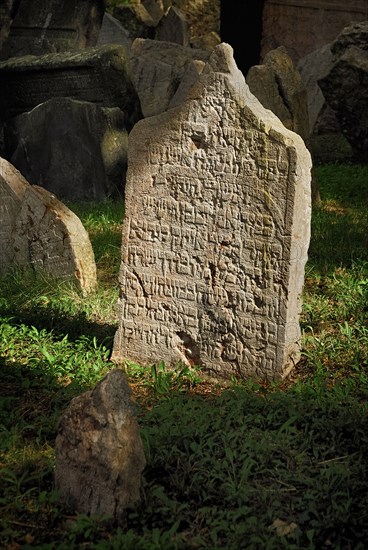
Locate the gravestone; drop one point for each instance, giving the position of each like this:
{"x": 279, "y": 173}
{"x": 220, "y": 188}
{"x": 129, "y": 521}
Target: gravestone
{"x": 99, "y": 75}
{"x": 278, "y": 85}
{"x": 157, "y": 70}
{"x": 345, "y": 87}
{"x": 51, "y": 239}
{"x": 99, "y": 452}
{"x": 173, "y": 27}
{"x": 312, "y": 67}
{"x": 215, "y": 235}
{"x": 12, "y": 189}
{"x": 75, "y": 149}
{"x": 44, "y": 26}
{"x": 39, "y": 232}
{"x": 203, "y": 17}
{"x": 112, "y": 32}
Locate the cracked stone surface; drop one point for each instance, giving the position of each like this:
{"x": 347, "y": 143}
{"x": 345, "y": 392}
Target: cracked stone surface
{"x": 216, "y": 233}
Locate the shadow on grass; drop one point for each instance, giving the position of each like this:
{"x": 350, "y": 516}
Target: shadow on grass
{"x": 61, "y": 324}
{"x": 340, "y": 225}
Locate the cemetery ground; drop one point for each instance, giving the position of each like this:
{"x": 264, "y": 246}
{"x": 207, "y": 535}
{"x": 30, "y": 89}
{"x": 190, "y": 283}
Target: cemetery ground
{"x": 250, "y": 465}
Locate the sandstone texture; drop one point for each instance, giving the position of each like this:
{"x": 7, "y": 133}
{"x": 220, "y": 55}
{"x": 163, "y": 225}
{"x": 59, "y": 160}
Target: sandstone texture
{"x": 279, "y": 87}
{"x": 157, "y": 70}
{"x": 12, "y": 189}
{"x": 216, "y": 233}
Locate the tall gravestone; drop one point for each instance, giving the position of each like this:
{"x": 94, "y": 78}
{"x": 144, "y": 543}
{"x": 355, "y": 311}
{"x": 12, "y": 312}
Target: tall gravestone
{"x": 216, "y": 233}
{"x": 42, "y": 26}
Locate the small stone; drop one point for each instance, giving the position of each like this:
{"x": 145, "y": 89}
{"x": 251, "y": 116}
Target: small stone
{"x": 99, "y": 452}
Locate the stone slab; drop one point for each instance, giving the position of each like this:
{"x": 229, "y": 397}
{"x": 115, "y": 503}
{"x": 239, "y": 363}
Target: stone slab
{"x": 39, "y": 232}
{"x": 44, "y": 26}
{"x": 278, "y": 85}
{"x": 99, "y": 75}
{"x": 215, "y": 235}
{"x": 173, "y": 27}
{"x": 77, "y": 150}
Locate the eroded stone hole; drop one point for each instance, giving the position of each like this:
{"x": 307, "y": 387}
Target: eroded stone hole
{"x": 189, "y": 348}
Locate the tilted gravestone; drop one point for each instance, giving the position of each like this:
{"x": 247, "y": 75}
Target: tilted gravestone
{"x": 44, "y": 26}
{"x": 39, "y": 232}
{"x": 216, "y": 233}
{"x": 75, "y": 149}
{"x": 278, "y": 85}
{"x": 99, "y": 75}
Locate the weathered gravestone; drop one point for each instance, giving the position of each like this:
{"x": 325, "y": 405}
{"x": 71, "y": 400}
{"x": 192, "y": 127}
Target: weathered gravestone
{"x": 99, "y": 75}
{"x": 99, "y": 452}
{"x": 37, "y": 231}
{"x": 44, "y": 26}
{"x": 12, "y": 189}
{"x": 278, "y": 85}
{"x": 345, "y": 86}
{"x": 157, "y": 70}
{"x": 216, "y": 233}
{"x": 112, "y": 32}
{"x": 203, "y": 17}
{"x": 173, "y": 27}
{"x": 312, "y": 67}
{"x": 75, "y": 149}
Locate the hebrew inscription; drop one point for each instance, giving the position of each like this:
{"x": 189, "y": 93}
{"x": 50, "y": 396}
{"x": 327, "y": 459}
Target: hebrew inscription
{"x": 216, "y": 234}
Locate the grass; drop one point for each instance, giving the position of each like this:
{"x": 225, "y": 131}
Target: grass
{"x": 247, "y": 466}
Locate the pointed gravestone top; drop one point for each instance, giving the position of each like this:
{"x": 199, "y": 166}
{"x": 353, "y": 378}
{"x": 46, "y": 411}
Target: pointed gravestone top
{"x": 216, "y": 233}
